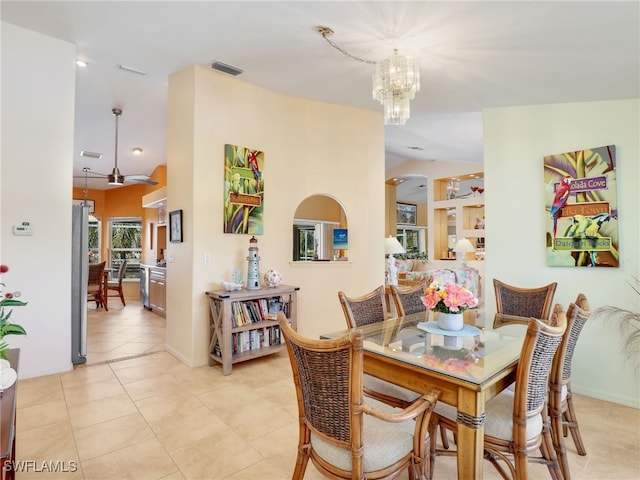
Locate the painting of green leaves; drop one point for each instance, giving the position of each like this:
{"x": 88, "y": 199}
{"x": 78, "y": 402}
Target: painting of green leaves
{"x": 243, "y": 190}
{"x": 582, "y": 210}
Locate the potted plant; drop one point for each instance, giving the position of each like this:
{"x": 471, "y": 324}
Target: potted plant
{"x": 9, "y": 299}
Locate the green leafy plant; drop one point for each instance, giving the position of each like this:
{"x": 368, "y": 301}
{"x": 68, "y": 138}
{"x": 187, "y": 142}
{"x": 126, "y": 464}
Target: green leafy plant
{"x": 9, "y": 299}
{"x": 412, "y": 256}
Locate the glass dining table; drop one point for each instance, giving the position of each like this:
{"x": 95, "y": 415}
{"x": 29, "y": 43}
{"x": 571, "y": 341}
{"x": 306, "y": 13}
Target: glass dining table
{"x": 468, "y": 367}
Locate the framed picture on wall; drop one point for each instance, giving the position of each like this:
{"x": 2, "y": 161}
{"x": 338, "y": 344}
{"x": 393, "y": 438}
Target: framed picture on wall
{"x": 175, "y": 224}
{"x": 406, "y": 213}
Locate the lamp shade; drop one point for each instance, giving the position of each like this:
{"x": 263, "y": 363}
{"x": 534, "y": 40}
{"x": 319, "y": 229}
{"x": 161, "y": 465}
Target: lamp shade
{"x": 392, "y": 245}
{"x": 464, "y": 246}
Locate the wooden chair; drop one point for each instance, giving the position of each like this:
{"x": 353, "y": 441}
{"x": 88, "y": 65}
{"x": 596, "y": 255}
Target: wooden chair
{"x": 344, "y": 436}
{"x": 364, "y": 310}
{"x": 408, "y": 299}
{"x": 561, "y": 411}
{"x": 516, "y": 305}
{"x": 96, "y": 291}
{"x": 116, "y": 285}
{"x": 516, "y": 423}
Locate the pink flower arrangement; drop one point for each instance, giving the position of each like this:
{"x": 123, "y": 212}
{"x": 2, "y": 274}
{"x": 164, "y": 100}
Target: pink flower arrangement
{"x": 449, "y": 298}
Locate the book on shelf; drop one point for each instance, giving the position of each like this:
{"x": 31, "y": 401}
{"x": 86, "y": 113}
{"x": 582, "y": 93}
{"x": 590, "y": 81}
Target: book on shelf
{"x": 216, "y": 349}
{"x": 275, "y": 305}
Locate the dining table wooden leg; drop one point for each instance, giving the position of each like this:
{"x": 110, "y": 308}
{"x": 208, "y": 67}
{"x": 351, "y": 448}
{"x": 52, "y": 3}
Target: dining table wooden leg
{"x": 105, "y": 290}
{"x": 470, "y": 435}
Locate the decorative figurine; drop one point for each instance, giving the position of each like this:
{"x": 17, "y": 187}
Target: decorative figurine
{"x": 272, "y": 278}
{"x": 253, "y": 272}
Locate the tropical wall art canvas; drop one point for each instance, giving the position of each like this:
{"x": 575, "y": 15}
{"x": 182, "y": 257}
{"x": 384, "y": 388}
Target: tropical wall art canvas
{"x": 582, "y": 210}
{"x": 243, "y": 190}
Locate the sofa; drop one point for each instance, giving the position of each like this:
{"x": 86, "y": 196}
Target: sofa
{"x": 412, "y": 272}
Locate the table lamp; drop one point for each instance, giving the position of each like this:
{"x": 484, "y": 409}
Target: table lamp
{"x": 391, "y": 246}
{"x": 463, "y": 247}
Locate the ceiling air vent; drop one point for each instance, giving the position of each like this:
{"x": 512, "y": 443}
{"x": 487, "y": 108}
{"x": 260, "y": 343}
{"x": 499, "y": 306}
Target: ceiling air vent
{"x": 86, "y": 154}
{"x": 223, "y": 67}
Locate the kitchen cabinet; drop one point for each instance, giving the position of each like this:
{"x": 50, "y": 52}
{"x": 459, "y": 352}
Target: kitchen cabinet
{"x": 153, "y": 288}
{"x": 158, "y": 290}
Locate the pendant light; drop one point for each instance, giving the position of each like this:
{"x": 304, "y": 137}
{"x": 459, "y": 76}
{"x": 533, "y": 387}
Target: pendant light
{"x": 114, "y": 178}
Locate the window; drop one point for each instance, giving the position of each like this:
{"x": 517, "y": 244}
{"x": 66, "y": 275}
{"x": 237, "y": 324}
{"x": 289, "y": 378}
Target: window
{"x": 303, "y": 236}
{"x": 412, "y": 239}
{"x": 95, "y": 234}
{"x": 125, "y": 236}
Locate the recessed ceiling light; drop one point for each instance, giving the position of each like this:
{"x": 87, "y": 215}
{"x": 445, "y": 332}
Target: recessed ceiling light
{"x": 137, "y": 151}
{"x": 81, "y": 63}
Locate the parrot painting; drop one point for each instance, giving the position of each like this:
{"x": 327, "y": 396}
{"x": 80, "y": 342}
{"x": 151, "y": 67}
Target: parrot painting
{"x": 253, "y": 163}
{"x": 560, "y": 200}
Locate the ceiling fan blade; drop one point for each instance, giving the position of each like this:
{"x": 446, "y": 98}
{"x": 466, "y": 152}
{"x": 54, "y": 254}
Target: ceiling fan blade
{"x": 139, "y": 179}
{"x": 146, "y": 182}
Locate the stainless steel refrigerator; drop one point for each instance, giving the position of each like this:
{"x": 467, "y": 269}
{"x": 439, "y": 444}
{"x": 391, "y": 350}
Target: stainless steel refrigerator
{"x": 79, "y": 279}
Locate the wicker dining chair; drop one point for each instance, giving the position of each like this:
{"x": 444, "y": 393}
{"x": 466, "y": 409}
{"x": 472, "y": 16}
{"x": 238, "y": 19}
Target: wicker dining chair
{"x": 95, "y": 285}
{"x": 561, "y": 410}
{"x": 516, "y": 305}
{"x": 364, "y": 310}
{"x": 408, "y": 299}
{"x": 116, "y": 285}
{"x": 344, "y": 436}
{"x": 516, "y": 423}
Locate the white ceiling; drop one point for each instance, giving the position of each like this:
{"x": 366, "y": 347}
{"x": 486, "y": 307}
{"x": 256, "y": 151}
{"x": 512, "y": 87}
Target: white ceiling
{"x": 473, "y": 55}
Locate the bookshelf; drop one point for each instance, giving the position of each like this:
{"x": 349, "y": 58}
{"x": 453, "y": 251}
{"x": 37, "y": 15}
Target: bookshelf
{"x": 243, "y": 324}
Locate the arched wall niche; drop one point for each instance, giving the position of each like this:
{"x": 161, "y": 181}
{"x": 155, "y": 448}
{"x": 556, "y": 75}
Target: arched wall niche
{"x": 320, "y": 230}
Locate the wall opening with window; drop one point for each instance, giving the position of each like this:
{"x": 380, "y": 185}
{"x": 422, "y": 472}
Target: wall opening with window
{"x": 95, "y": 243}
{"x": 125, "y": 242}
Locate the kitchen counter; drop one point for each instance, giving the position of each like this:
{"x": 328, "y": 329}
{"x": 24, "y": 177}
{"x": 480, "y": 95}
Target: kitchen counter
{"x": 159, "y": 267}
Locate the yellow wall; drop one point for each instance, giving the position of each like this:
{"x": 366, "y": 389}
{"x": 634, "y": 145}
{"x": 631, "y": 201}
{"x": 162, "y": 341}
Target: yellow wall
{"x": 310, "y": 148}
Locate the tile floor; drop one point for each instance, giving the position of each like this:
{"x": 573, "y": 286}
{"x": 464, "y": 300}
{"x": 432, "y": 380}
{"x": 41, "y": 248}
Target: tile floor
{"x": 151, "y": 417}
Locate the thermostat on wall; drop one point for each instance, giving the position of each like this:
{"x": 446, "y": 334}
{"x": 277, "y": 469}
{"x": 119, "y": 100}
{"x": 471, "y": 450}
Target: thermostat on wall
{"x": 24, "y": 229}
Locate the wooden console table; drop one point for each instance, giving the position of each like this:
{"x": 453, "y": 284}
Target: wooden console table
{"x": 8, "y": 422}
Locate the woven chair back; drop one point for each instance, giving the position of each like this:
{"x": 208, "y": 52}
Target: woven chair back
{"x": 326, "y": 380}
{"x": 408, "y": 300}
{"x": 525, "y": 302}
{"x": 364, "y": 310}
{"x": 539, "y": 347}
{"x": 96, "y": 274}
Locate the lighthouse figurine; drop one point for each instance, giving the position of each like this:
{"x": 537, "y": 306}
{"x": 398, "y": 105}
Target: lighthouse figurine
{"x": 253, "y": 272}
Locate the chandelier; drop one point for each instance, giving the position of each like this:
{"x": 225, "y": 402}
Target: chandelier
{"x": 395, "y": 81}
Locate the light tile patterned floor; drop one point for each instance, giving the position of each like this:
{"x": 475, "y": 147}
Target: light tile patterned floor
{"x": 151, "y": 417}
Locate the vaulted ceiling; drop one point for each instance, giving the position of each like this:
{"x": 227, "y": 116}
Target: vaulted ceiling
{"x": 472, "y": 55}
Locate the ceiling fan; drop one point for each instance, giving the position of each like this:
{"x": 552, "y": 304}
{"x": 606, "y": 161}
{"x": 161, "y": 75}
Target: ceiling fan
{"x": 115, "y": 177}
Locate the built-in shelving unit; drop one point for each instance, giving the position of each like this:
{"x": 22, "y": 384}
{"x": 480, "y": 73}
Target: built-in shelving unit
{"x": 242, "y": 329}
{"x": 457, "y": 213}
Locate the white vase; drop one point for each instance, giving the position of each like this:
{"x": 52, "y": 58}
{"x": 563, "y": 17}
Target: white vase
{"x": 450, "y": 321}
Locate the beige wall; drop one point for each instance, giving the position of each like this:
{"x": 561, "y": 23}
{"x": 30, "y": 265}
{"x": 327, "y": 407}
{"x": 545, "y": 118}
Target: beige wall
{"x": 38, "y": 102}
{"x": 310, "y": 147}
{"x": 319, "y": 207}
{"x": 516, "y": 140}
